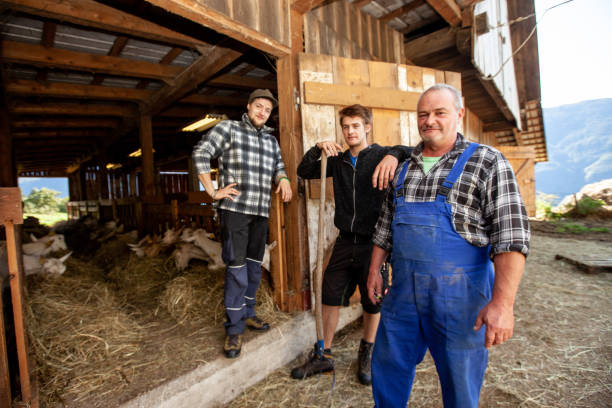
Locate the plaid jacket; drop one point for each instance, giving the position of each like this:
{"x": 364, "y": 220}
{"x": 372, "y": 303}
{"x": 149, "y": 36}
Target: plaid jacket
{"x": 247, "y": 156}
{"x": 486, "y": 205}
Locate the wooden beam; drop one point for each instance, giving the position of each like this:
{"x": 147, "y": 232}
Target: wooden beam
{"x": 448, "y": 9}
{"x": 200, "y": 13}
{"x": 118, "y": 46}
{"x": 146, "y": 145}
{"x": 167, "y": 59}
{"x": 38, "y": 55}
{"x": 291, "y": 263}
{"x": 52, "y": 134}
{"x": 421, "y": 23}
{"x": 93, "y": 14}
{"x": 64, "y": 90}
{"x": 242, "y": 82}
{"x": 200, "y": 99}
{"x": 75, "y": 109}
{"x": 304, "y": 6}
{"x": 401, "y": 11}
{"x": 8, "y": 177}
{"x": 360, "y": 3}
{"x": 203, "y": 68}
{"x": 431, "y": 43}
{"x": 65, "y": 123}
{"x": 382, "y": 98}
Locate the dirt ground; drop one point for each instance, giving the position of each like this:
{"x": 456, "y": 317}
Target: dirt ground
{"x": 560, "y": 355}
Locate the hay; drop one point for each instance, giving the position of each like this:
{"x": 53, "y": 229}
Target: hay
{"x": 113, "y": 327}
{"x": 197, "y": 298}
{"x": 83, "y": 341}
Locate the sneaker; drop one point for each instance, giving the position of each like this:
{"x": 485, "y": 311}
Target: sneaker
{"x": 232, "y": 346}
{"x": 364, "y": 359}
{"x": 316, "y": 364}
{"x": 255, "y": 323}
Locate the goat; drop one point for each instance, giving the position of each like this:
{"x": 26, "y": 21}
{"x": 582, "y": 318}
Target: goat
{"x": 45, "y": 245}
{"x": 212, "y": 248}
{"x": 265, "y": 263}
{"x": 33, "y": 264}
{"x": 187, "y": 251}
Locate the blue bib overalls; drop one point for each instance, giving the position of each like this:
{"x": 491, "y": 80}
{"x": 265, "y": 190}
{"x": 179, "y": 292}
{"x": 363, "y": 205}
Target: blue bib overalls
{"x": 440, "y": 283}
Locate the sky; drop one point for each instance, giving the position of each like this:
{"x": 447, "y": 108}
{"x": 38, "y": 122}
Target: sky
{"x": 575, "y": 49}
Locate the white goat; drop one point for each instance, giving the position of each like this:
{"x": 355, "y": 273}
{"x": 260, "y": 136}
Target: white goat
{"x": 212, "y": 248}
{"x": 33, "y": 264}
{"x": 187, "y": 251}
{"x": 45, "y": 245}
{"x": 171, "y": 236}
{"x": 265, "y": 263}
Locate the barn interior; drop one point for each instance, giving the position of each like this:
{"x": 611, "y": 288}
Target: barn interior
{"x": 100, "y": 92}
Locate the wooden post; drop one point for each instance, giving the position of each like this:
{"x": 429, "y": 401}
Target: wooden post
{"x": 5, "y": 378}
{"x": 10, "y": 214}
{"x": 146, "y": 145}
{"x": 296, "y": 247}
{"x": 174, "y": 212}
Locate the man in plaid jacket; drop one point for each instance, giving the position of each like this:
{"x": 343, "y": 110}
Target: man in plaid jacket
{"x": 249, "y": 163}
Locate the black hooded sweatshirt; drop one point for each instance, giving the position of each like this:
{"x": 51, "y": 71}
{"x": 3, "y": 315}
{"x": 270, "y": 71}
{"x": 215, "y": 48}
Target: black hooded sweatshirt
{"x": 357, "y": 202}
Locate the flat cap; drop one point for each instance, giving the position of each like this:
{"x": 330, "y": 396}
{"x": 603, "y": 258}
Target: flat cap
{"x": 263, "y": 93}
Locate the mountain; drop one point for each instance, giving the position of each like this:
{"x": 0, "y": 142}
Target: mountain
{"x": 26, "y": 184}
{"x": 579, "y": 141}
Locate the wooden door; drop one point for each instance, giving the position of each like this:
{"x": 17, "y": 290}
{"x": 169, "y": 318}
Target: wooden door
{"x": 328, "y": 84}
{"x": 522, "y": 160}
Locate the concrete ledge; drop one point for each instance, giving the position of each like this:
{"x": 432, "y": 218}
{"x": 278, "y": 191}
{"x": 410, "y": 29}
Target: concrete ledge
{"x": 222, "y": 380}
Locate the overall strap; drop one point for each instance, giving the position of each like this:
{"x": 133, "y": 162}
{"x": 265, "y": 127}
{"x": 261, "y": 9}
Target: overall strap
{"x": 455, "y": 172}
{"x": 400, "y": 181}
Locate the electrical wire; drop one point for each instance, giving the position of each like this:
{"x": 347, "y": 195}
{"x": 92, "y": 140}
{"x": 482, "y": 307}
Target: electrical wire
{"x": 492, "y": 77}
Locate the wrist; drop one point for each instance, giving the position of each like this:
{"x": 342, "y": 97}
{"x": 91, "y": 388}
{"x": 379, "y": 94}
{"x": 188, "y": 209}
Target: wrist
{"x": 214, "y": 194}
{"x": 284, "y": 178}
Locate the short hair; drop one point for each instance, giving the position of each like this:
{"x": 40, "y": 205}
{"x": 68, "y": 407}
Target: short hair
{"x": 356, "y": 110}
{"x": 458, "y": 102}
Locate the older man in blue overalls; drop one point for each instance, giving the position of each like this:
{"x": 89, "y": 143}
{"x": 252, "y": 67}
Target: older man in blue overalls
{"x": 453, "y": 208}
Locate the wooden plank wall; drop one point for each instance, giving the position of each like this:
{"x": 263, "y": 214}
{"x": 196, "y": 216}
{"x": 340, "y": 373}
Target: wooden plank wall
{"x": 269, "y": 17}
{"x": 339, "y": 29}
{"x": 472, "y": 127}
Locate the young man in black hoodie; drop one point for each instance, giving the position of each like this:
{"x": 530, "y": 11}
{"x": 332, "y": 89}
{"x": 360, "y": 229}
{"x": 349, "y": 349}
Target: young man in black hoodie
{"x": 358, "y": 203}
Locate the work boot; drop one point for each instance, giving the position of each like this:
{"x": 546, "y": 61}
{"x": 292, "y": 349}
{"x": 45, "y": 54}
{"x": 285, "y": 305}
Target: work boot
{"x": 256, "y": 324}
{"x": 364, "y": 359}
{"x": 316, "y": 364}
{"x": 232, "y": 346}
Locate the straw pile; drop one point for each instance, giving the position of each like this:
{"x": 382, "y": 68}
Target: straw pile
{"x": 113, "y": 327}
{"x": 560, "y": 355}
{"x": 83, "y": 340}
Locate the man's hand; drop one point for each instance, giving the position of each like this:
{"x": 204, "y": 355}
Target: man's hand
{"x": 330, "y": 148}
{"x": 384, "y": 172}
{"x": 374, "y": 286}
{"x": 226, "y": 192}
{"x": 499, "y": 320}
{"x": 284, "y": 188}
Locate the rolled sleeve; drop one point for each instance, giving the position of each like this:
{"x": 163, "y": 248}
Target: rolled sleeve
{"x": 506, "y": 210}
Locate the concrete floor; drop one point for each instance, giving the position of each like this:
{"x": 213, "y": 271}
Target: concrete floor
{"x": 220, "y": 381}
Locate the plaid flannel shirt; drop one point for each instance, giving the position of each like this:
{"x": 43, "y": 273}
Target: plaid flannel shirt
{"x": 247, "y": 156}
{"x": 486, "y": 204}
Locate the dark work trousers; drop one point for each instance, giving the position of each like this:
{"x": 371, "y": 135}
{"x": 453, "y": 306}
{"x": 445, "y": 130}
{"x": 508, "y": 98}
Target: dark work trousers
{"x": 244, "y": 243}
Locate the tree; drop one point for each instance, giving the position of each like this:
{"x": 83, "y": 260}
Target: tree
{"x": 43, "y": 201}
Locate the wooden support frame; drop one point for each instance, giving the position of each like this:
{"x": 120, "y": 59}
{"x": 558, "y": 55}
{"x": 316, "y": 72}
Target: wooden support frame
{"x": 10, "y": 216}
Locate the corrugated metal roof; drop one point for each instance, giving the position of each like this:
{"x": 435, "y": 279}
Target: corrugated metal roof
{"x": 87, "y": 41}
{"x": 17, "y": 28}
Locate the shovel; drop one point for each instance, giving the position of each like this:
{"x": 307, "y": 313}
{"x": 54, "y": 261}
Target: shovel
{"x": 318, "y": 277}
